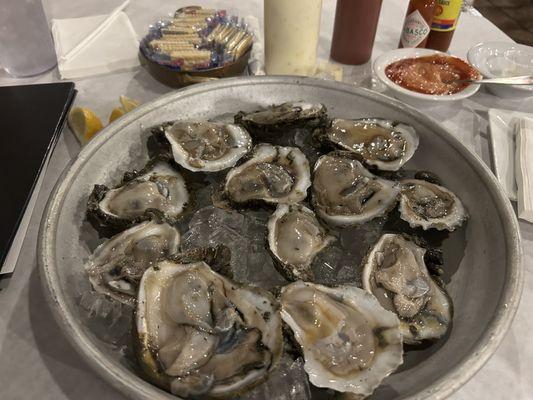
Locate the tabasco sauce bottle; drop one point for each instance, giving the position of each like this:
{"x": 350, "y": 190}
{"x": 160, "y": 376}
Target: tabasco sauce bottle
{"x": 444, "y": 23}
{"x": 417, "y": 23}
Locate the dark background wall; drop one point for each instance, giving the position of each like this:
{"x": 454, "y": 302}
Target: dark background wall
{"x": 514, "y": 17}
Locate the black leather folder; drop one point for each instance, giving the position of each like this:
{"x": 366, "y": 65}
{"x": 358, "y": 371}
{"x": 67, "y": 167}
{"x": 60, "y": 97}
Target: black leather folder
{"x": 32, "y": 117}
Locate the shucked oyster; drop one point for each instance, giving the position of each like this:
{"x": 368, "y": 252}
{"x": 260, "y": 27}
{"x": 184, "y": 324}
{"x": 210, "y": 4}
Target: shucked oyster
{"x": 350, "y": 343}
{"x": 295, "y": 237}
{"x": 427, "y": 205}
{"x": 345, "y": 193}
{"x": 274, "y": 174}
{"x": 204, "y": 146}
{"x": 116, "y": 266}
{"x": 201, "y": 334}
{"x": 395, "y": 272}
{"x": 283, "y": 116}
{"x": 386, "y": 144}
{"x": 157, "y": 189}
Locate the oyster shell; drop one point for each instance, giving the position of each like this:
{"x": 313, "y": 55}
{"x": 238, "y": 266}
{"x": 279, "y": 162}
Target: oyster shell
{"x": 345, "y": 193}
{"x": 427, "y": 205}
{"x": 395, "y": 272}
{"x": 283, "y": 116}
{"x": 350, "y": 343}
{"x": 204, "y": 146}
{"x": 295, "y": 237}
{"x": 116, "y": 266}
{"x": 155, "y": 190}
{"x": 200, "y": 334}
{"x": 274, "y": 174}
{"x": 385, "y": 144}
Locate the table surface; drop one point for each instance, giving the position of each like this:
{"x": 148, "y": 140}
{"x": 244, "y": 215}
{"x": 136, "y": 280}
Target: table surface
{"x": 36, "y": 361}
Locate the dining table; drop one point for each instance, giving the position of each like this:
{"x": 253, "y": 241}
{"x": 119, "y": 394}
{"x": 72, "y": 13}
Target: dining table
{"x": 36, "y": 359}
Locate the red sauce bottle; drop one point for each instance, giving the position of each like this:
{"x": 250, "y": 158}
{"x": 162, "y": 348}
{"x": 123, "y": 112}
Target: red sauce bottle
{"x": 356, "y": 22}
{"x": 417, "y": 23}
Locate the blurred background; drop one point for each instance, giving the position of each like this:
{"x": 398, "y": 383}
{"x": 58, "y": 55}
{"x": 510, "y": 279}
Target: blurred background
{"x": 514, "y": 17}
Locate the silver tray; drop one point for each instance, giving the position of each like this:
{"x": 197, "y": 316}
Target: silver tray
{"x": 485, "y": 288}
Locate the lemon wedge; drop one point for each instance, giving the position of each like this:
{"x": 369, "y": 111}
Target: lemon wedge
{"x": 116, "y": 113}
{"x": 84, "y": 123}
{"x": 127, "y": 105}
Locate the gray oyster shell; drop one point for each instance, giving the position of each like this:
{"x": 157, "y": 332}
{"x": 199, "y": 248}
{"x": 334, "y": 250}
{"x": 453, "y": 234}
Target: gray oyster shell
{"x": 345, "y": 193}
{"x": 295, "y": 237}
{"x": 283, "y": 116}
{"x": 157, "y": 191}
{"x": 273, "y": 174}
{"x": 395, "y": 272}
{"x": 116, "y": 266}
{"x": 427, "y": 205}
{"x": 203, "y": 145}
{"x": 349, "y": 341}
{"x": 201, "y": 334}
{"x": 385, "y": 144}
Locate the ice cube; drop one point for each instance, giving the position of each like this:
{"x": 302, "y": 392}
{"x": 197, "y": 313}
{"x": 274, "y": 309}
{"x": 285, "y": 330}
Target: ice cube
{"x": 336, "y": 266}
{"x": 244, "y": 235}
{"x": 287, "y": 382}
{"x": 108, "y": 319}
{"x": 259, "y": 269}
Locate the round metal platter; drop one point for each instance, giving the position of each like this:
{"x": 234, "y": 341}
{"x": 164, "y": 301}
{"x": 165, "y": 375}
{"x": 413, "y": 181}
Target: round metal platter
{"x": 485, "y": 287}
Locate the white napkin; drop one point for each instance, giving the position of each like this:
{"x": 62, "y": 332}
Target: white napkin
{"x": 115, "y": 48}
{"x": 524, "y": 168}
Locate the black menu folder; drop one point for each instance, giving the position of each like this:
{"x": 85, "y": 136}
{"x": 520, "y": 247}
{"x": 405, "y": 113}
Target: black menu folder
{"x": 32, "y": 117}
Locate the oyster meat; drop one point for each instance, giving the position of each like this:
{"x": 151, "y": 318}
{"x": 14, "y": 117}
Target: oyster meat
{"x": 295, "y": 237}
{"x": 385, "y": 144}
{"x": 345, "y": 193}
{"x": 201, "y": 334}
{"x": 283, "y": 116}
{"x": 427, "y": 205}
{"x": 157, "y": 189}
{"x": 274, "y": 174}
{"x": 395, "y": 272}
{"x": 205, "y": 146}
{"x": 117, "y": 265}
{"x": 349, "y": 341}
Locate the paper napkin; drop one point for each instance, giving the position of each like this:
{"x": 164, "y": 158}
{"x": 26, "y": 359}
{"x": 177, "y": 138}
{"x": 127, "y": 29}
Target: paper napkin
{"x": 114, "y": 48}
{"x": 524, "y": 168}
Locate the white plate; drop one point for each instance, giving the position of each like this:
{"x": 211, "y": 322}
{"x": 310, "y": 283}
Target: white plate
{"x": 497, "y": 59}
{"x": 502, "y": 142}
{"x": 409, "y": 96}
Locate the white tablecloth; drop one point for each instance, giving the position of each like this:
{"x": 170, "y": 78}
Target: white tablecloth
{"x": 36, "y": 362}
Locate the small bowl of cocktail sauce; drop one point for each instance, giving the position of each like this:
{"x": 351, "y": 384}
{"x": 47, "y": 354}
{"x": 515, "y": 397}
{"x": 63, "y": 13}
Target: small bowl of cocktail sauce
{"x": 424, "y": 76}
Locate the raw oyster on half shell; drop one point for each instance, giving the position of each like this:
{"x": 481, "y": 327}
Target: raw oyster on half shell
{"x": 274, "y": 174}
{"x": 349, "y": 341}
{"x": 295, "y": 237}
{"x": 283, "y": 116}
{"x": 382, "y": 143}
{"x": 116, "y": 266}
{"x": 427, "y": 205}
{"x": 395, "y": 272}
{"x": 201, "y": 334}
{"x": 204, "y": 146}
{"x": 345, "y": 193}
{"x": 157, "y": 189}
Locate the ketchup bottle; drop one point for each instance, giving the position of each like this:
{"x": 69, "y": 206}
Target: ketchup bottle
{"x": 354, "y": 32}
{"x": 444, "y": 23}
{"x": 417, "y": 23}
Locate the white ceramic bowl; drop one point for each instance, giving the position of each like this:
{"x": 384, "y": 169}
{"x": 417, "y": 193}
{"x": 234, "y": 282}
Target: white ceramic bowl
{"x": 498, "y": 59}
{"x": 409, "y": 96}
